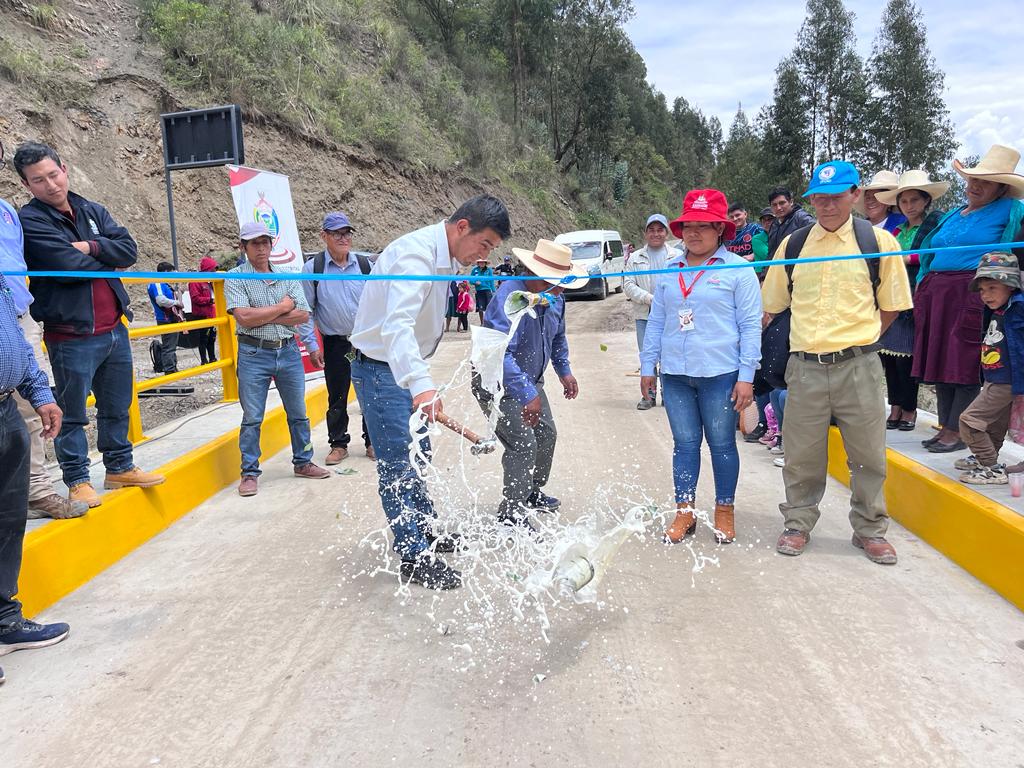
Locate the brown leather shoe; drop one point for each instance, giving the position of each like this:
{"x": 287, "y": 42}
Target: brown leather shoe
{"x": 725, "y": 523}
{"x": 84, "y": 492}
{"x": 57, "y": 507}
{"x": 877, "y": 549}
{"x": 792, "y": 542}
{"x": 249, "y": 486}
{"x": 336, "y": 456}
{"x": 133, "y": 478}
{"x": 311, "y": 471}
{"x": 370, "y": 454}
{"x": 685, "y": 524}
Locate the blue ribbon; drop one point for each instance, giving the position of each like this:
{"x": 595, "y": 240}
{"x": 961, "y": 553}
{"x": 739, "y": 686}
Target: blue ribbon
{"x": 203, "y": 277}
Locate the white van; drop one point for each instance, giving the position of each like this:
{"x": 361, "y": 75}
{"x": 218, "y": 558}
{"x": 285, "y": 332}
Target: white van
{"x": 600, "y": 251}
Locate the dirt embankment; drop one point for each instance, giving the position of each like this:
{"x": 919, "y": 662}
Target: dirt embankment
{"x": 108, "y": 133}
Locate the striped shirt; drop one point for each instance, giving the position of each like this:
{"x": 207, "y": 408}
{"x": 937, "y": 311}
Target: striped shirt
{"x": 18, "y": 367}
{"x": 263, "y": 293}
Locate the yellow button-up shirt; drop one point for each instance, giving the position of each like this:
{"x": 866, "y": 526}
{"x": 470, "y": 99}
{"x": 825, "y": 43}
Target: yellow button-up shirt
{"x": 832, "y": 303}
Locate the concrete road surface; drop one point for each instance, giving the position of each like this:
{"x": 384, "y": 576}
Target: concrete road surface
{"x": 252, "y": 634}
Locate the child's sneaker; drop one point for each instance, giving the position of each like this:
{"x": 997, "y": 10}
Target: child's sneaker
{"x": 982, "y": 475}
{"x": 769, "y": 438}
{"x": 965, "y": 465}
{"x": 777, "y": 449}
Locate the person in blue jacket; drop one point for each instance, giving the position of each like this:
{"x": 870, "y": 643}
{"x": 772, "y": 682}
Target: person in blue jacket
{"x": 526, "y": 427}
{"x": 167, "y": 308}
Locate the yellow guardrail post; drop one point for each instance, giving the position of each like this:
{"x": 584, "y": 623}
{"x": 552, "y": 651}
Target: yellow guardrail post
{"x": 135, "y": 433}
{"x": 226, "y": 343}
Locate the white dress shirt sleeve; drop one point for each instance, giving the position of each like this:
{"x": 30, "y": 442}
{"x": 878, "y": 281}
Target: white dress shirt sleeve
{"x": 403, "y": 303}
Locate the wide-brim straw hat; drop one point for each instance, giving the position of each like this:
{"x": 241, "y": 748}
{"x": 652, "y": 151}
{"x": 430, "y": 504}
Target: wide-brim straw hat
{"x": 999, "y": 165}
{"x": 552, "y": 262}
{"x": 883, "y": 181}
{"x": 915, "y": 179}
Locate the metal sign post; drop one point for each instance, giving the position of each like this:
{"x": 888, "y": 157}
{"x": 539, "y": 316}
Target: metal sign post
{"x": 199, "y": 138}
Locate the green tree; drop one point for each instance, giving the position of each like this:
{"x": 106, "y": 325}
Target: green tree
{"x": 741, "y": 172}
{"x": 785, "y": 129}
{"x": 832, "y": 81}
{"x": 908, "y": 123}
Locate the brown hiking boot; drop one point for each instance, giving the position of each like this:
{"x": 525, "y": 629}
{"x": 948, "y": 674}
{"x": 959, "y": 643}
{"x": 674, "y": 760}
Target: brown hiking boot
{"x": 685, "y": 524}
{"x": 84, "y": 492}
{"x": 336, "y": 456}
{"x": 311, "y": 471}
{"x": 133, "y": 478}
{"x": 370, "y": 454}
{"x": 248, "y": 486}
{"x": 57, "y": 507}
{"x": 725, "y": 523}
{"x": 877, "y": 549}
{"x": 792, "y": 542}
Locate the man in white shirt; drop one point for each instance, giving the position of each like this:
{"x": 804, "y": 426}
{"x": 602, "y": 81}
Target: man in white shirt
{"x": 639, "y": 289}
{"x": 398, "y": 327}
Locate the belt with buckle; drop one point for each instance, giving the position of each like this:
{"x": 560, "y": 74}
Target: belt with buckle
{"x": 831, "y": 358}
{"x": 252, "y": 341}
{"x": 365, "y": 358}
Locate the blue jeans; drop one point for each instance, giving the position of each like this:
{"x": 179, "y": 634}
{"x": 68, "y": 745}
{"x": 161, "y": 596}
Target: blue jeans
{"x": 778, "y": 398}
{"x": 403, "y": 494}
{"x": 700, "y": 407}
{"x": 102, "y": 364}
{"x": 256, "y": 367}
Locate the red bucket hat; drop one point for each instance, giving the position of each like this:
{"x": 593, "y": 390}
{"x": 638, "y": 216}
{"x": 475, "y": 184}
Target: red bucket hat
{"x": 704, "y": 205}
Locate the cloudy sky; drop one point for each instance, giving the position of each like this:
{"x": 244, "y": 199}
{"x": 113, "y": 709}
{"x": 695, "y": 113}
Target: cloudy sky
{"x": 718, "y": 55}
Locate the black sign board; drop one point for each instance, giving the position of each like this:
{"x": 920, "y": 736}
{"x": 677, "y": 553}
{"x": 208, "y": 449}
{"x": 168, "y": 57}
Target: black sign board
{"x": 201, "y": 138}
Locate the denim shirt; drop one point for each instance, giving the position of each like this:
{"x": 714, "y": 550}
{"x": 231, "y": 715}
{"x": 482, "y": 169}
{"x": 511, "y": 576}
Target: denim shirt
{"x": 537, "y": 341}
{"x": 726, "y": 337}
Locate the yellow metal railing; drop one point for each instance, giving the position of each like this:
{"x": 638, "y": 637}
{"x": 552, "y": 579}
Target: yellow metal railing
{"x": 227, "y": 348}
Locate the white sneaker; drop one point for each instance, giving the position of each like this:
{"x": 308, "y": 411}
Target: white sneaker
{"x": 985, "y": 476}
{"x": 971, "y": 462}
{"x": 780, "y": 462}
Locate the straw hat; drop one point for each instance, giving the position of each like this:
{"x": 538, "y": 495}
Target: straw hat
{"x": 551, "y": 262}
{"x": 915, "y": 179}
{"x": 998, "y": 165}
{"x": 883, "y": 181}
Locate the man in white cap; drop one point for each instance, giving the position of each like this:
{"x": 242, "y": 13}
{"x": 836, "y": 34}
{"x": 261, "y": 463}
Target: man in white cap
{"x": 267, "y": 313}
{"x": 526, "y": 427}
{"x": 398, "y": 327}
{"x": 639, "y": 289}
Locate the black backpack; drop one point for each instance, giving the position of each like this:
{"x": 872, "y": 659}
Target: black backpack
{"x": 320, "y": 261}
{"x": 775, "y": 338}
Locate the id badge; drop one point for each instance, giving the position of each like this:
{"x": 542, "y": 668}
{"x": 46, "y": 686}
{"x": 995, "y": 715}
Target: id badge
{"x": 686, "y": 320}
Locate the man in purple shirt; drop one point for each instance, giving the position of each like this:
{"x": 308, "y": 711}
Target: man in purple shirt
{"x": 526, "y": 427}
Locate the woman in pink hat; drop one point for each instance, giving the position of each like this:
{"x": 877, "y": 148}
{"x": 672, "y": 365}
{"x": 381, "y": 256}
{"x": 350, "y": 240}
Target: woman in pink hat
{"x": 705, "y": 327}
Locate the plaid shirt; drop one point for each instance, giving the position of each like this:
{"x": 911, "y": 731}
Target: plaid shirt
{"x": 18, "y": 367}
{"x": 263, "y": 293}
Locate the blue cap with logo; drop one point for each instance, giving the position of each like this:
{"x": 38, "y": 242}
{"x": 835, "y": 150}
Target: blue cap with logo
{"x": 656, "y": 217}
{"x": 832, "y": 178}
{"x": 336, "y": 220}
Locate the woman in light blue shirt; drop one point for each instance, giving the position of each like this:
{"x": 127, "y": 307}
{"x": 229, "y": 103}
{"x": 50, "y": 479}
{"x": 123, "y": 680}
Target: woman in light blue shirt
{"x": 705, "y": 327}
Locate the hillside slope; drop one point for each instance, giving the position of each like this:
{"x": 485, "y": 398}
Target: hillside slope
{"x": 81, "y": 76}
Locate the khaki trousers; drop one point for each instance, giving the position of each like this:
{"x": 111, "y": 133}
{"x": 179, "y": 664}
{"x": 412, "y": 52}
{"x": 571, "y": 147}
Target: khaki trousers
{"x": 851, "y": 393}
{"x": 984, "y": 423}
{"x": 39, "y": 485}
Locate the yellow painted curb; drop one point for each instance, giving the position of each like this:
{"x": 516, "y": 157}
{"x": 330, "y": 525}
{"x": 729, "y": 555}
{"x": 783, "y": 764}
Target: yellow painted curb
{"x": 982, "y": 536}
{"x": 61, "y": 556}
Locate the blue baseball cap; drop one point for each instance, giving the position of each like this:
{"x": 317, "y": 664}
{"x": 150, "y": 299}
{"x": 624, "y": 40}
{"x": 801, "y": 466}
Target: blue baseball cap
{"x": 832, "y": 178}
{"x": 336, "y": 220}
{"x": 656, "y": 217}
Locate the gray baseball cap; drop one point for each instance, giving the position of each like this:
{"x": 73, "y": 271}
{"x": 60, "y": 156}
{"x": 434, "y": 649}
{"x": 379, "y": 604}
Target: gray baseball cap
{"x": 656, "y": 217}
{"x": 254, "y": 229}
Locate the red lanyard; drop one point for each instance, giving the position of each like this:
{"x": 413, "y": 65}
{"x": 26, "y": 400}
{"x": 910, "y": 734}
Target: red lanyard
{"x": 682, "y": 283}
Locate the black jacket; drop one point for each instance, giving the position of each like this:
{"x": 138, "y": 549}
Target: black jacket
{"x": 797, "y": 218}
{"x": 64, "y": 304}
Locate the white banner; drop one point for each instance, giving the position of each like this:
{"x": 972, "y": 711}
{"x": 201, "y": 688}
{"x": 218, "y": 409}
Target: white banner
{"x": 267, "y": 197}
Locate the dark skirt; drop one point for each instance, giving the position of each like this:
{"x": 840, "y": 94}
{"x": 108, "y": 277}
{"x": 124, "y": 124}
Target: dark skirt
{"x": 898, "y": 338}
{"x": 947, "y": 337}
